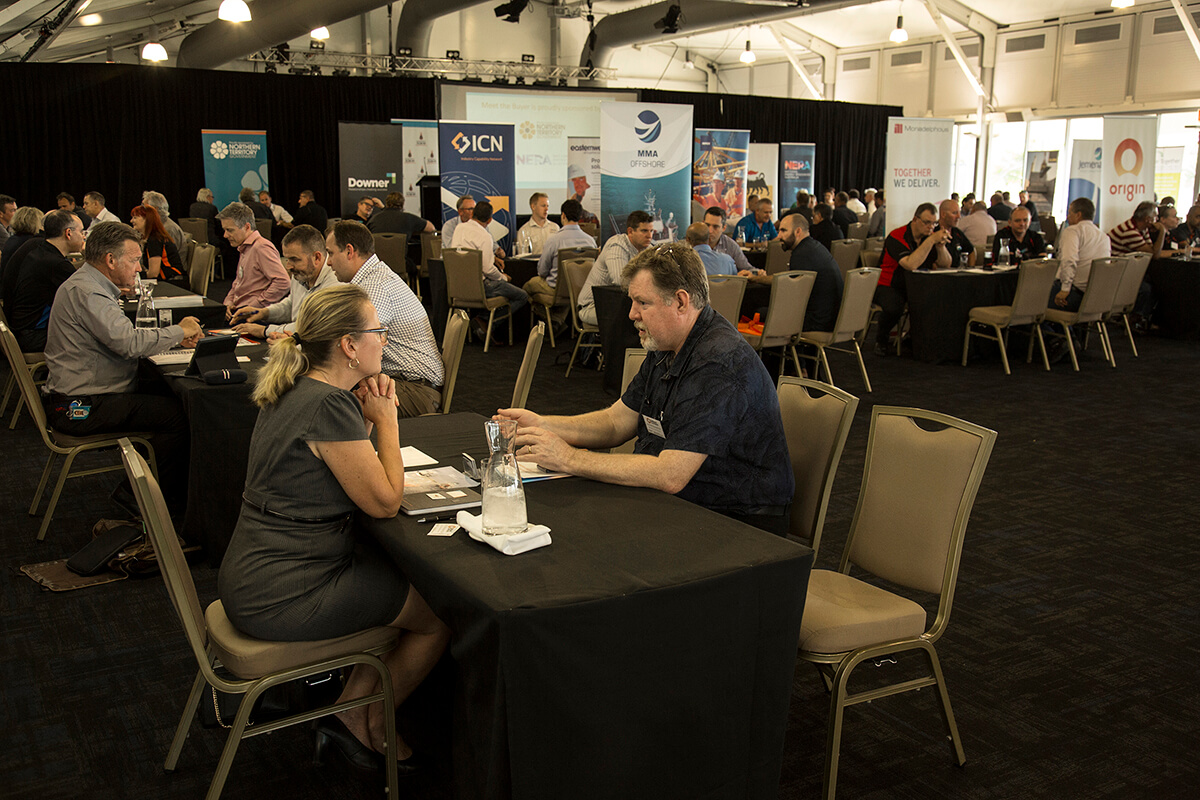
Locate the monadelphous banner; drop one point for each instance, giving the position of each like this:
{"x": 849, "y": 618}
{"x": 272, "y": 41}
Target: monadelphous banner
{"x": 479, "y": 159}
{"x": 371, "y": 160}
{"x": 918, "y": 165}
{"x": 1127, "y": 169}
{"x": 233, "y": 159}
{"x": 646, "y": 163}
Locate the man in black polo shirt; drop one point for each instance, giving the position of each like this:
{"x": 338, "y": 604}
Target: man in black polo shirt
{"x": 310, "y": 212}
{"x": 38, "y": 268}
{"x": 823, "y": 229}
{"x": 843, "y": 217}
{"x": 822, "y": 310}
{"x": 703, "y": 407}
{"x": 915, "y": 246}
{"x": 1022, "y": 243}
{"x": 962, "y": 252}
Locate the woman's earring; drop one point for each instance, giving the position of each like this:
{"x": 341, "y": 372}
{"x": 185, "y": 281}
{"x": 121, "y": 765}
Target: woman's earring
{"x": 354, "y": 363}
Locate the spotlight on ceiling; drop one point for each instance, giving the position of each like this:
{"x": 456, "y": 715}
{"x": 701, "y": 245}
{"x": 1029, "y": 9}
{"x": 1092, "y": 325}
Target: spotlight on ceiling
{"x": 404, "y": 51}
{"x": 320, "y": 34}
{"x": 670, "y": 21}
{"x": 527, "y": 58}
{"x": 234, "y": 11}
{"x": 899, "y": 35}
{"x": 270, "y": 69}
{"x": 341, "y": 73}
{"x": 747, "y": 56}
{"x": 454, "y": 55}
{"x": 1122, "y": 3}
{"x": 153, "y": 50}
{"x": 687, "y": 60}
{"x": 511, "y": 11}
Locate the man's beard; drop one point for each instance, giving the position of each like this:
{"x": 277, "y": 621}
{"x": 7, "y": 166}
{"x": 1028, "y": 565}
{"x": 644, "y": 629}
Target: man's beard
{"x": 647, "y": 340}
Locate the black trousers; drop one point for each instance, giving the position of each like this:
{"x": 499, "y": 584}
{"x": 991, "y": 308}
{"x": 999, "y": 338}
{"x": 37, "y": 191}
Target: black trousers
{"x": 892, "y": 302}
{"x": 162, "y": 417}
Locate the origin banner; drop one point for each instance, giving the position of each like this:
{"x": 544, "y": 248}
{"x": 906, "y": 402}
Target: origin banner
{"x": 1127, "y": 169}
{"x": 479, "y": 159}
{"x": 371, "y": 161}
{"x": 763, "y": 175}
{"x": 646, "y": 164}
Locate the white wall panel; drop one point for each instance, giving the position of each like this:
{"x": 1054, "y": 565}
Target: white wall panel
{"x": 858, "y": 85}
{"x": 907, "y": 84}
{"x": 771, "y": 80}
{"x": 1095, "y": 72}
{"x": 1167, "y": 64}
{"x": 1024, "y": 74}
{"x": 952, "y": 93}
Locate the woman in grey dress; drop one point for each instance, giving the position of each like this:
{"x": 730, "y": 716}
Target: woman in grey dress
{"x": 294, "y": 570}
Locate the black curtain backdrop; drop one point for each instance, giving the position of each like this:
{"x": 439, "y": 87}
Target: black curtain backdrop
{"x": 121, "y": 129}
{"x": 851, "y": 138}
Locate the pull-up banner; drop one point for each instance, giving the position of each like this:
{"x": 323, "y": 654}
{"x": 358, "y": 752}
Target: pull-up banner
{"x": 233, "y": 159}
{"x": 645, "y": 161}
{"x": 795, "y": 171}
{"x": 371, "y": 157}
{"x": 420, "y": 159}
{"x": 763, "y": 175}
{"x": 1127, "y": 169}
{"x": 479, "y": 159}
{"x": 1086, "y": 157}
{"x": 918, "y": 165}
{"x": 719, "y": 162}
{"x": 583, "y": 175}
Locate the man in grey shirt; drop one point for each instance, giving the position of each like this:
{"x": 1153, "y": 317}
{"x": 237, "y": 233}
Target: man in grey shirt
{"x": 92, "y": 352}
{"x": 307, "y": 261}
{"x": 714, "y": 219}
{"x": 618, "y": 251}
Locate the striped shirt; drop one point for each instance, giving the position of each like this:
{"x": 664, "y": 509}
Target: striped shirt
{"x": 411, "y": 353}
{"x": 1126, "y": 238}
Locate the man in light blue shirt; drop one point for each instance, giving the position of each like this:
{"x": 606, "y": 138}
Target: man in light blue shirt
{"x": 542, "y": 288}
{"x": 714, "y": 263}
{"x": 757, "y": 226}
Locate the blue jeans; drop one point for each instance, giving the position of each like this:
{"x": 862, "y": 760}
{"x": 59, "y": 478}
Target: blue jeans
{"x": 515, "y": 294}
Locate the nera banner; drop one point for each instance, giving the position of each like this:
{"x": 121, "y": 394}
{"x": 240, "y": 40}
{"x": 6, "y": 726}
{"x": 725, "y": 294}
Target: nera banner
{"x": 479, "y": 159}
{"x": 232, "y": 160}
{"x": 918, "y": 165}
{"x": 371, "y": 160}
{"x": 795, "y": 171}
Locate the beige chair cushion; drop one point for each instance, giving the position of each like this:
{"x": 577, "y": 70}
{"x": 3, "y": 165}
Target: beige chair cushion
{"x": 252, "y": 658}
{"x": 991, "y": 315}
{"x": 843, "y": 613}
{"x": 822, "y": 338}
{"x": 1060, "y": 316}
{"x": 34, "y": 358}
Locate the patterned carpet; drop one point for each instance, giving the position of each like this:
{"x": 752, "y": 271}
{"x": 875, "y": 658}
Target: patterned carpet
{"x": 1070, "y": 655}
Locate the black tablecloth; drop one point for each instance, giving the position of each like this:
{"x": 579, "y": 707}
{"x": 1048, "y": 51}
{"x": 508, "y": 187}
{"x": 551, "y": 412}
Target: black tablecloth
{"x": 616, "y": 332}
{"x": 1176, "y": 285}
{"x": 940, "y": 302}
{"x": 647, "y": 653}
{"x": 211, "y": 314}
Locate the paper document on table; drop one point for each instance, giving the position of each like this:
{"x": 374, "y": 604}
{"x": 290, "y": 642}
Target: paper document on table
{"x": 531, "y": 472}
{"x": 181, "y": 301}
{"x": 431, "y": 480}
{"x": 976, "y": 271}
{"x": 179, "y": 357}
{"x": 415, "y": 458}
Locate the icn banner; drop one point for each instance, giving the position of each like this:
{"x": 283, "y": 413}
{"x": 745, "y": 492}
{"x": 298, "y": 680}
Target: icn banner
{"x": 719, "y": 160}
{"x": 232, "y": 160}
{"x": 918, "y": 165}
{"x": 645, "y": 161}
{"x": 371, "y": 158}
{"x": 795, "y": 171}
{"x": 583, "y": 175}
{"x": 763, "y": 175}
{"x": 1127, "y": 169}
{"x": 420, "y": 159}
{"x": 1086, "y": 156}
{"x": 478, "y": 158}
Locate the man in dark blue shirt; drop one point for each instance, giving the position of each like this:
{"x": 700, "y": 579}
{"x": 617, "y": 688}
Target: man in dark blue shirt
{"x": 703, "y": 407}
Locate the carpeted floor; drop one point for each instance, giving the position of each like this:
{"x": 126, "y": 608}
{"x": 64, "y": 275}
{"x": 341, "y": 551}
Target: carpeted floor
{"x": 1070, "y": 655}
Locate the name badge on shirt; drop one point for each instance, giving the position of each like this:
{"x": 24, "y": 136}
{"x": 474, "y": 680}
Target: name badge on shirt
{"x": 77, "y": 410}
{"x": 654, "y": 426}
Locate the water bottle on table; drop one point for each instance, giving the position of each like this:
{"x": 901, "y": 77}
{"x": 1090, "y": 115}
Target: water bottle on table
{"x": 146, "y": 316}
{"x": 503, "y": 494}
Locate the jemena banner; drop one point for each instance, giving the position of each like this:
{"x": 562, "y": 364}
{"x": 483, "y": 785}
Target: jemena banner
{"x": 1085, "y": 171}
{"x": 918, "y": 165}
{"x": 371, "y": 160}
{"x": 478, "y": 158}
{"x": 233, "y": 159}
{"x": 645, "y": 163}
{"x": 1127, "y": 169}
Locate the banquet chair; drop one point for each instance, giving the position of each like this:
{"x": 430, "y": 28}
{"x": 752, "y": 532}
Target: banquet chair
{"x": 392, "y": 249}
{"x": 58, "y": 443}
{"x": 1049, "y": 227}
{"x": 776, "y": 259}
{"x": 854, "y": 317}
{"x": 562, "y": 294}
{"x": 873, "y": 243}
{"x": 575, "y": 272}
{"x": 918, "y": 488}
{"x": 464, "y": 288}
{"x": 452, "y": 348}
{"x": 816, "y": 422}
{"x": 869, "y": 259}
{"x": 858, "y": 230}
{"x": 188, "y": 251}
{"x": 196, "y": 226}
{"x": 201, "y": 267}
{"x": 1127, "y": 293}
{"x": 533, "y": 348}
{"x": 591, "y": 229}
{"x": 725, "y": 294}
{"x": 845, "y": 253}
{"x": 34, "y": 362}
{"x": 785, "y": 315}
{"x": 256, "y": 665}
{"x": 1097, "y": 301}
{"x": 634, "y": 357}
{"x": 263, "y": 226}
{"x": 431, "y": 249}
{"x": 1028, "y": 308}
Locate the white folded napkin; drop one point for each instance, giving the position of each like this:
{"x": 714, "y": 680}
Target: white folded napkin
{"x": 531, "y": 538}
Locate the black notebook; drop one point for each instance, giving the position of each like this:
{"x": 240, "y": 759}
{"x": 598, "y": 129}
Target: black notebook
{"x": 440, "y": 500}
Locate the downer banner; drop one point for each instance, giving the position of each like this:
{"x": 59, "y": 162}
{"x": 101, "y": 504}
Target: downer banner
{"x": 479, "y": 159}
{"x": 371, "y": 157}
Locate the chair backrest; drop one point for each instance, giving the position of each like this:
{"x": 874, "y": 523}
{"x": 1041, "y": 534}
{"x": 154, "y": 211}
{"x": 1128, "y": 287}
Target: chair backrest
{"x": 789, "y": 300}
{"x": 725, "y": 294}
{"x": 452, "y": 348}
{"x": 196, "y": 226}
{"x": 1049, "y": 227}
{"x": 816, "y": 422}
{"x": 1131, "y": 280}
{"x": 634, "y": 356}
{"x": 431, "y": 248}
{"x": 1103, "y": 280}
{"x": 918, "y": 488}
{"x": 188, "y": 251}
{"x": 591, "y": 229}
{"x": 264, "y": 226}
{"x": 869, "y": 259}
{"x": 575, "y": 270}
{"x": 176, "y": 576}
{"x": 25, "y": 384}
{"x": 1033, "y": 287}
{"x": 873, "y": 243}
{"x": 200, "y": 270}
{"x": 777, "y": 258}
{"x": 464, "y": 276}
{"x": 854, "y": 313}
{"x": 562, "y": 289}
{"x": 392, "y": 249}
{"x": 858, "y": 230}
{"x": 845, "y": 253}
{"x": 533, "y": 349}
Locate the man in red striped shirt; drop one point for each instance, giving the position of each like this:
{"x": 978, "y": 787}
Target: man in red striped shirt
{"x": 1133, "y": 235}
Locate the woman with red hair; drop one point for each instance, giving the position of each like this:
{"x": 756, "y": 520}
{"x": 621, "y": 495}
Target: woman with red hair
{"x": 160, "y": 256}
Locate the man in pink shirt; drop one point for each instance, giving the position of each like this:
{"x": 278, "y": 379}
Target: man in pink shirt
{"x": 261, "y": 279}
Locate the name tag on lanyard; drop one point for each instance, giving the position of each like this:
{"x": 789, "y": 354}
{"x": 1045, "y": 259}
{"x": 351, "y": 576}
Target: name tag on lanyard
{"x": 653, "y": 426}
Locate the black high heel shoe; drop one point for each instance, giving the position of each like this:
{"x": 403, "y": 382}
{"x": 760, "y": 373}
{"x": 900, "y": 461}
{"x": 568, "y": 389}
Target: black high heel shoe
{"x": 332, "y": 731}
